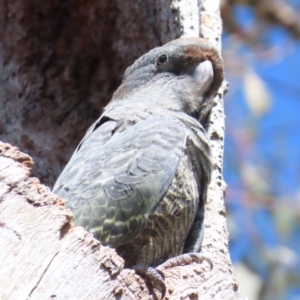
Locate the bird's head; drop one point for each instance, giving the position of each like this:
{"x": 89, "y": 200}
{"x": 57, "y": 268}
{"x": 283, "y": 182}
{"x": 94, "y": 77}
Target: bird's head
{"x": 184, "y": 74}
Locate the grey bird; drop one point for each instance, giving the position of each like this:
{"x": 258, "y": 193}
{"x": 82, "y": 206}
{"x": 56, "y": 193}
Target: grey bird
{"x": 138, "y": 179}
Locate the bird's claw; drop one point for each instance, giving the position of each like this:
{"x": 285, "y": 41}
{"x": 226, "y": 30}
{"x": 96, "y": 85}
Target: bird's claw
{"x": 185, "y": 259}
{"x": 155, "y": 276}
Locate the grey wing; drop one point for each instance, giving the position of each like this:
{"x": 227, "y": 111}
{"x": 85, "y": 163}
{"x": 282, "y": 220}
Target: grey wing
{"x": 113, "y": 184}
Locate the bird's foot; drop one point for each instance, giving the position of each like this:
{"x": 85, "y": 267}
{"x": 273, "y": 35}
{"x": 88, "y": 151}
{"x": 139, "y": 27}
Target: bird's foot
{"x": 156, "y": 277}
{"x": 184, "y": 259}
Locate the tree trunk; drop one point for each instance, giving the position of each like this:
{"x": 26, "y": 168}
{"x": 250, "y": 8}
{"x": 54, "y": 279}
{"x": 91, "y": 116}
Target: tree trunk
{"x": 60, "y": 63}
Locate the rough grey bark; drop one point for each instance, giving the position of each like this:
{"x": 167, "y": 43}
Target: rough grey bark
{"x": 60, "y": 63}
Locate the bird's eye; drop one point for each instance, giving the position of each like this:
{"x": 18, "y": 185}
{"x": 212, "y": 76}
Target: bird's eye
{"x": 161, "y": 60}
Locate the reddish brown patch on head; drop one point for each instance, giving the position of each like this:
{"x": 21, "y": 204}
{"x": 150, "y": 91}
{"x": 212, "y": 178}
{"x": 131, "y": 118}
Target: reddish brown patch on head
{"x": 195, "y": 50}
{"x": 192, "y": 55}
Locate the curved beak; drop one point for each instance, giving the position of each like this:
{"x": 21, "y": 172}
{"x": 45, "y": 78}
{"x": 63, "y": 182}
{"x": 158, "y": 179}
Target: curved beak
{"x": 203, "y": 75}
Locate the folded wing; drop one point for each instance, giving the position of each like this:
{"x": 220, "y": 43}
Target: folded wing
{"x": 115, "y": 179}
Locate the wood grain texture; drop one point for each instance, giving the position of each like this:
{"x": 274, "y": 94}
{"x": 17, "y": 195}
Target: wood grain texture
{"x": 42, "y": 255}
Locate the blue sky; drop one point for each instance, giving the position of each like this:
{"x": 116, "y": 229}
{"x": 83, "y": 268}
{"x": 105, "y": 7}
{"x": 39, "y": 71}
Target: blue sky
{"x": 270, "y": 143}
